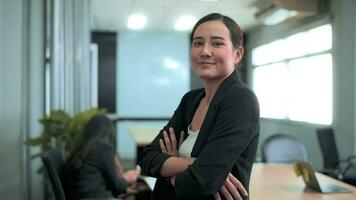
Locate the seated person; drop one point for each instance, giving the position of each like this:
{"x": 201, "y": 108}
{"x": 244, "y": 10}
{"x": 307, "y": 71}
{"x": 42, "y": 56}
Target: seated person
{"x": 93, "y": 169}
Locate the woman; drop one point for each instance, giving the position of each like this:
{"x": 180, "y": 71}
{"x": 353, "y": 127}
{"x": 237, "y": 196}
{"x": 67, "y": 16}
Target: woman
{"x": 222, "y": 120}
{"x": 93, "y": 169}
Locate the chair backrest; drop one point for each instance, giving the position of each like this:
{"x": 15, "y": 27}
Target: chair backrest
{"x": 53, "y": 163}
{"x": 282, "y": 148}
{"x": 328, "y": 147}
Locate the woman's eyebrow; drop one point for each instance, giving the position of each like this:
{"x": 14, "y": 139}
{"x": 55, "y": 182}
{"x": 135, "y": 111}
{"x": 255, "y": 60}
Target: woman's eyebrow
{"x": 198, "y": 38}
{"x": 212, "y": 37}
{"x": 218, "y": 37}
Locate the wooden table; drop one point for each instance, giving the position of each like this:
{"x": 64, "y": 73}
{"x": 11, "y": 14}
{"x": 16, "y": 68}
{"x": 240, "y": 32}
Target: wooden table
{"x": 279, "y": 182}
{"x": 142, "y": 136}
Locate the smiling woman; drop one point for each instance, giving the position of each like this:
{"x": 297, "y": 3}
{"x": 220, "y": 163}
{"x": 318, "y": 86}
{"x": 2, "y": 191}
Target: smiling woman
{"x": 207, "y": 149}
{"x": 213, "y": 54}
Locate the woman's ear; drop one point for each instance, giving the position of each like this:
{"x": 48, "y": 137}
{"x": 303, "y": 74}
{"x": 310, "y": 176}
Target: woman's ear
{"x": 239, "y": 53}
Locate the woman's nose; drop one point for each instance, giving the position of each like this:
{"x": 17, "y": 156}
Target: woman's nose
{"x": 205, "y": 51}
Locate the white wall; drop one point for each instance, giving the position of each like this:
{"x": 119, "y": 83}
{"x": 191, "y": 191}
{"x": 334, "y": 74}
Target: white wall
{"x": 344, "y": 23}
{"x": 152, "y": 77}
{"x": 11, "y": 22}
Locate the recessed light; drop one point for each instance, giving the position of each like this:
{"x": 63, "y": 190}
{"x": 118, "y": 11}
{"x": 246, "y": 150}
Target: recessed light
{"x": 136, "y": 22}
{"x": 185, "y": 23}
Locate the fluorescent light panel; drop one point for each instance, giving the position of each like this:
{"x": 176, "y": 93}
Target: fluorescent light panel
{"x": 136, "y": 22}
{"x": 185, "y": 23}
{"x": 279, "y": 16}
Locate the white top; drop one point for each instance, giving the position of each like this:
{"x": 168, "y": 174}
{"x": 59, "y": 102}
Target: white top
{"x": 186, "y": 147}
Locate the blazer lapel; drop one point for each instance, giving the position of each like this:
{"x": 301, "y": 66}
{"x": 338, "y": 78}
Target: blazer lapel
{"x": 211, "y": 114}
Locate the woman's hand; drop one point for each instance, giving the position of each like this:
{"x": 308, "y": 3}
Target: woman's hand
{"x": 131, "y": 175}
{"x": 231, "y": 189}
{"x": 168, "y": 143}
{"x": 131, "y": 190}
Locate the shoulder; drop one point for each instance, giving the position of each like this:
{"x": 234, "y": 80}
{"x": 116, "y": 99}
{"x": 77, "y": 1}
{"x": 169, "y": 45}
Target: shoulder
{"x": 239, "y": 98}
{"x": 240, "y": 90}
{"x": 104, "y": 150}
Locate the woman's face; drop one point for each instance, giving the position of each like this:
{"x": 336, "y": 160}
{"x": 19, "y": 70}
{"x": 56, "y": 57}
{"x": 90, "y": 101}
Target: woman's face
{"x": 212, "y": 52}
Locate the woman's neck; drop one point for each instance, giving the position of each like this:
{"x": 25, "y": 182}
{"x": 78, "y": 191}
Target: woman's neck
{"x": 210, "y": 87}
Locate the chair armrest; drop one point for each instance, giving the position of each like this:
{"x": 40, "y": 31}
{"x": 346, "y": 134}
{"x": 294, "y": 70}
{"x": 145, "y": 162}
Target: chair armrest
{"x": 329, "y": 172}
{"x": 350, "y": 158}
{"x": 349, "y": 165}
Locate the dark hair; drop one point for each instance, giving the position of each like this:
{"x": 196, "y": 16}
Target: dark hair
{"x": 236, "y": 35}
{"x": 99, "y": 130}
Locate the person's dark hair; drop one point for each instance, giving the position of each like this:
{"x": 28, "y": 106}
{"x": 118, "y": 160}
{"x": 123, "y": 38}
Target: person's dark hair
{"x": 99, "y": 130}
{"x": 236, "y": 35}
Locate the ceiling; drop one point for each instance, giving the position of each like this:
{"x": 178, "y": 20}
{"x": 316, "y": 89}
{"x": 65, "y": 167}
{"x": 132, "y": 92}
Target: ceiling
{"x": 111, "y": 15}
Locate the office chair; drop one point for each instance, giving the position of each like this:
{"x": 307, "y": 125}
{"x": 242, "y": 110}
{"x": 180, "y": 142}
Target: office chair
{"x": 282, "y": 148}
{"x": 53, "y": 163}
{"x": 342, "y": 169}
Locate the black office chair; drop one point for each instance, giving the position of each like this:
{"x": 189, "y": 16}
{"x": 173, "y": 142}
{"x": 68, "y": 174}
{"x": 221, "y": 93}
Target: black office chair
{"x": 333, "y": 166}
{"x": 282, "y": 148}
{"x": 53, "y": 163}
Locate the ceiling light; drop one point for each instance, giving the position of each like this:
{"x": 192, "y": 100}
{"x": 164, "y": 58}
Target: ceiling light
{"x": 278, "y": 16}
{"x": 185, "y": 23}
{"x": 276, "y": 11}
{"x": 136, "y": 22}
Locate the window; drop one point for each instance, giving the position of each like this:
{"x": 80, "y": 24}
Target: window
{"x": 292, "y": 77}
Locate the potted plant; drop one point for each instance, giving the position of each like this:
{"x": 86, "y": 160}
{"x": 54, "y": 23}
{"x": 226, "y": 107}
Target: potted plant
{"x": 62, "y": 131}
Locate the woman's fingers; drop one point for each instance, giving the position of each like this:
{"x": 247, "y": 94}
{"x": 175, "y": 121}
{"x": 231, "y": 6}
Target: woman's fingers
{"x": 226, "y": 193}
{"x": 217, "y": 196}
{"x": 237, "y": 184}
{"x": 172, "y": 136}
{"x": 232, "y": 189}
{"x": 167, "y": 142}
{"x": 163, "y": 147}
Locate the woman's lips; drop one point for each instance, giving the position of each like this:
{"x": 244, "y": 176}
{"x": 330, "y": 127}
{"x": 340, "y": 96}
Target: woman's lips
{"x": 206, "y": 63}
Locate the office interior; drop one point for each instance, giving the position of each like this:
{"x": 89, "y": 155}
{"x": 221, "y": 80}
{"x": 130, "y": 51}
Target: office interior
{"x": 45, "y": 59}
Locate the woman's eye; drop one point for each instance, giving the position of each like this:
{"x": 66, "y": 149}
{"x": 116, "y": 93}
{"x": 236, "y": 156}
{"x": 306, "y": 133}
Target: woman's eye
{"x": 218, "y": 44}
{"x": 197, "y": 43}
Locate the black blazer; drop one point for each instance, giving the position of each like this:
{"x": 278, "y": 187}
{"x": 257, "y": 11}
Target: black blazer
{"x": 96, "y": 177}
{"x": 227, "y": 142}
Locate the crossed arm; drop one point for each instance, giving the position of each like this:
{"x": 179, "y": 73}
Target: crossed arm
{"x": 232, "y": 188}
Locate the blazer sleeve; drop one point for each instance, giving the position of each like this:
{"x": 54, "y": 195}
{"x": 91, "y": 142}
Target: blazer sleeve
{"x": 153, "y": 158}
{"x": 115, "y": 183}
{"x": 236, "y": 123}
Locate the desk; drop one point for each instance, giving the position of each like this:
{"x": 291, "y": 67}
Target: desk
{"x": 142, "y": 137}
{"x": 279, "y": 182}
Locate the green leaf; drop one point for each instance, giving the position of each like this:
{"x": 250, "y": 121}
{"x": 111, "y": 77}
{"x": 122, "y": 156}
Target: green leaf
{"x": 37, "y": 141}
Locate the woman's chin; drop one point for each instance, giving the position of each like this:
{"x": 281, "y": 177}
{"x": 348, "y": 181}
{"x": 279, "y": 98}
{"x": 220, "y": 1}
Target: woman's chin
{"x": 204, "y": 75}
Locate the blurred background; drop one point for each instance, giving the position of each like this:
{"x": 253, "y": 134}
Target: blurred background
{"x": 131, "y": 57}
